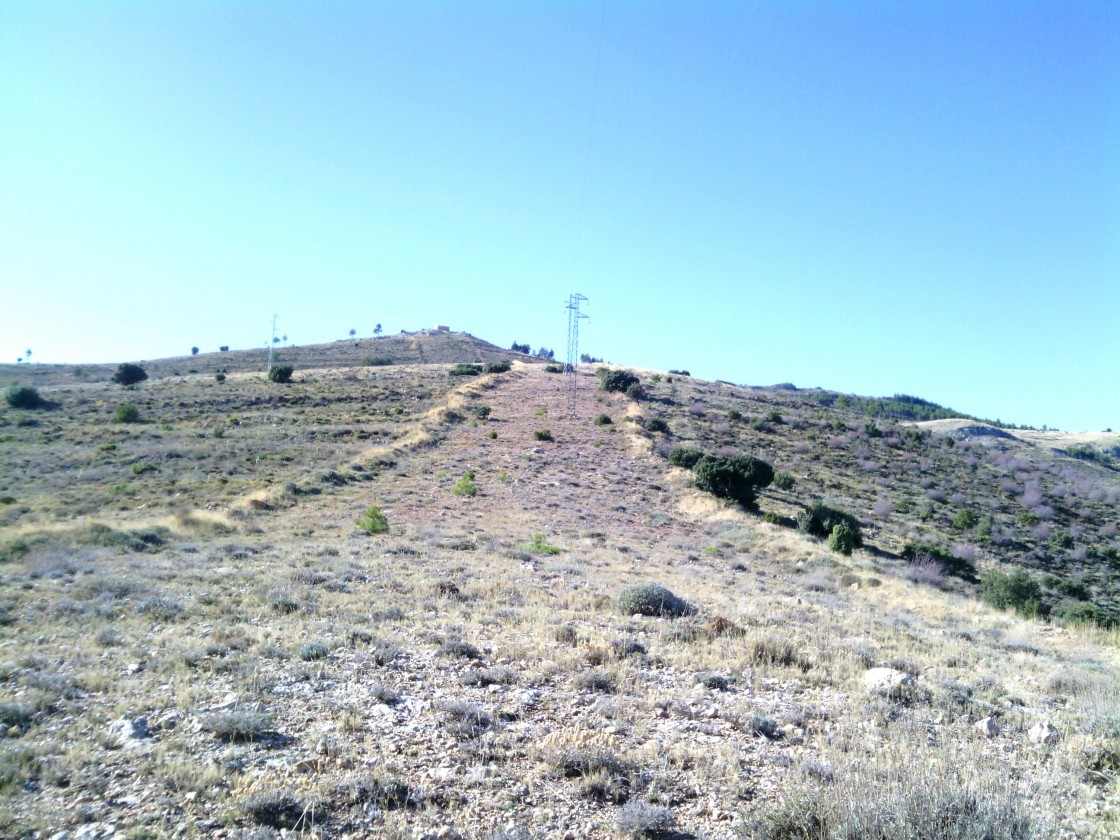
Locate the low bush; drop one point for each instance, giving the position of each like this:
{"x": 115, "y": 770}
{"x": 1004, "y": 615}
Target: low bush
{"x": 616, "y": 380}
{"x": 23, "y": 396}
{"x": 965, "y": 520}
{"x": 680, "y": 372}
{"x": 636, "y": 392}
{"x": 373, "y": 521}
{"x": 553, "y": 368}
{"x": 784, "y": 481}
{"x": 654, "y": 424}
{"x": 129, "y": 374}
{"x": 738, "y": 477}
{"x": 497, "y": 367}
{"x": 603, "y": 420}
{"x": 239, "y": 726}
{"x": 126, "y": 413}
{"x": 465, "y": 370}
{"x": 543, "y": 435}
{"x": 842, "y": 539}
{"x": 465, "y": 486}
{"x": 924, "y": 553}
{"x": 377, "y": 361}
{"x": 684, "y": 456}
{"x": 1017, "y": 591}
{"x": 539, "y": 545}
{"x": 219, "y": 377}
{"x": 653, "y": 600}
{"x": 281, "y": 374}
{"x": 1084, "y": 612}
{"x": 819, "y": 520}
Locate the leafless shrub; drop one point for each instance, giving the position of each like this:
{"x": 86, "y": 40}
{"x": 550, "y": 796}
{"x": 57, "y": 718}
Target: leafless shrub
{"x": 925, "y": 571}
{"x": 641, "y": 819}
{"x": 882, "y": 507}
{"x": 466, "y": 720}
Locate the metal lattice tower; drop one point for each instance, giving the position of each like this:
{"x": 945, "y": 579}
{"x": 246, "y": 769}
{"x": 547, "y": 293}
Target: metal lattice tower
{"x": 574, "y": 316}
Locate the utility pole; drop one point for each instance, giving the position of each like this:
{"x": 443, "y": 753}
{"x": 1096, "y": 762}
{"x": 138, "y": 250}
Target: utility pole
{"x": 271, "y": 344}
{"x": 574, "y": 316}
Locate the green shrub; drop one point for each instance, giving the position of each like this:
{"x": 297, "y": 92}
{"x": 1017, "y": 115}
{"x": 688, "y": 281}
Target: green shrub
{"x": 539, "y": 545}
{"x": 681, "y": 372}
{"x": 636, "y": 392}
{"x": 616, "y": 380}
{"x": 482, "y": 412}
{"x": 377, "y": 361}
{"x": 129, "y": 374}
{"x": 1017, "y": 591}
{"x": 734, "y": 415}
{"x": 784, "y": 481}
{"x": 819, "y": 520}
{"x": 1084, "y": 612}
{"x": 281, "y": 374}
{"x": 465, "y": 486}
{"x": 543, "y": 434}
{"x": 1061, "y": 539}
{"x": 684, "y": 456}
{"x": 23, "y": 396}
{"x": 219, "y": 377}
{"x": 126, "y": 413}
{"x": 373, "y": 521}
{"x": 603, "y": 420}
{"x": 966, "y": 519}
{"x": 738, "y": 477}
{"x": 842, "y": 539}
{"x": 553, "y": 368}
{"x": 463, "y": 369}
{"x": 654, "y": 424}
{"x": 312, "y": 650}
{"x": 653, "y": 600}
{"x": 497, "y": 367}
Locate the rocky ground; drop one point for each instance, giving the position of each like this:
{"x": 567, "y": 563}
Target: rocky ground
{"x": 473, "y": 673}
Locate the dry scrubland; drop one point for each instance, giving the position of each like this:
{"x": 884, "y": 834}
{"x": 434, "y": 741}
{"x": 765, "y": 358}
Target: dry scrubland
{"x": 209, "y": 646}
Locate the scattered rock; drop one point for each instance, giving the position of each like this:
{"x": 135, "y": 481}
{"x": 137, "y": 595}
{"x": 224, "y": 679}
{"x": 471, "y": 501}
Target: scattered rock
{"x": 888, "y": 682}
{"x": 1044, "y": 732}
{"x": 129, "y": 734}
{"x": 988, "y": 727}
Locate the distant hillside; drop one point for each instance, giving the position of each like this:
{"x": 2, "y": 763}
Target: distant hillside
{"x": 405, "y": 348}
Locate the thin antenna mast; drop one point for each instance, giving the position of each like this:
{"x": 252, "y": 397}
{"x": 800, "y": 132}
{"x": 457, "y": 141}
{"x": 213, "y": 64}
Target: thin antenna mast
{"x": 272, "y": 343}
{"x": 574, "y": 316}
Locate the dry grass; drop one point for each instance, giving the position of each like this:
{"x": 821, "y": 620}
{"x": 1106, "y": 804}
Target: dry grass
{"x": 460, "y": 681}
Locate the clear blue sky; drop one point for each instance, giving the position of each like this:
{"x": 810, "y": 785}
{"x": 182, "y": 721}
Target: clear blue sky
{"x": 872, "y": 197}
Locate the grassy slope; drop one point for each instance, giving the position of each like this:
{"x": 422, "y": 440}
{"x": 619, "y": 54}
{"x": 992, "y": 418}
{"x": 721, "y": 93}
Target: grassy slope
{"x": 210, "y": 634}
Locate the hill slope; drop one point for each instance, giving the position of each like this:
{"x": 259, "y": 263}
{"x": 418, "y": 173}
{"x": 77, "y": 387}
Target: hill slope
{"x": 211, "y": 645}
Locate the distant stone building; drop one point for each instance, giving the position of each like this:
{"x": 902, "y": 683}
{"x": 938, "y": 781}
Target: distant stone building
{"x": 442, "y": 328}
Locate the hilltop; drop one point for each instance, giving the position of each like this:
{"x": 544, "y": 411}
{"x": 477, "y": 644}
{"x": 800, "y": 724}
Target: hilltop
{"x": 197, "y": 637}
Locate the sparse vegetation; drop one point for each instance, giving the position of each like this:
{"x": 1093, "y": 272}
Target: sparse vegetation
{"x": 228, "y": 646}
